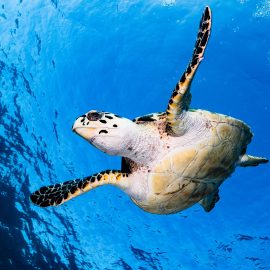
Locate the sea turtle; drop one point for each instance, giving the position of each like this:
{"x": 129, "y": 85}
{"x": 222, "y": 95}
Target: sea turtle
{"x": 170, "y": 160}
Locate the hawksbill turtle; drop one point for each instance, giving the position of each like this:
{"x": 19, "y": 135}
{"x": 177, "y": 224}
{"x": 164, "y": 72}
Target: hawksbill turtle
{"x": 170, "y": 160}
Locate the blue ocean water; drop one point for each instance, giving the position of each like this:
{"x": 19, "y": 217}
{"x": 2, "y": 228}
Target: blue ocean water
{"x": 58, "y": 60}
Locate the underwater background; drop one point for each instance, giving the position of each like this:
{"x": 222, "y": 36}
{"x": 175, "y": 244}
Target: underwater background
{"x": 60, "y": 59}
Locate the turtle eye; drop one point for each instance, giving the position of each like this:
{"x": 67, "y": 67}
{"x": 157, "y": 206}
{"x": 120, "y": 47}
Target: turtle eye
{"x": 93, "y": 116}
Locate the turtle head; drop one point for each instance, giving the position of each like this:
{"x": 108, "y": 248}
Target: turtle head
{"x": 107, "y": 131}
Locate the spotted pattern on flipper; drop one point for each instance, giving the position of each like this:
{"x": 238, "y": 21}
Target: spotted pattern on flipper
{"x": 54, "y": 195}
{"x": 181, "y": 96}
{"x": 150, "y": 117}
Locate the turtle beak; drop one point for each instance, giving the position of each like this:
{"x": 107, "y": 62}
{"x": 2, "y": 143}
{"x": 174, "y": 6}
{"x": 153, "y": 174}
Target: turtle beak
{"x": 83, "y": 130}
{"x": 78, "y": 123}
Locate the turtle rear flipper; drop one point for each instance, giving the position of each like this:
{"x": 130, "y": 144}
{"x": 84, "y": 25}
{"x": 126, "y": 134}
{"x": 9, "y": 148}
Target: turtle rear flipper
{"x": 209, "y": 201}
{"x": 57, "y": 194}
{"x": 181, "y": 96}
{"x": 248, "y": 160}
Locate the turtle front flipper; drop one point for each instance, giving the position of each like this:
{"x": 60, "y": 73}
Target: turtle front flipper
{"x": 57, "y": 194}
{"x": 181, "y": 96}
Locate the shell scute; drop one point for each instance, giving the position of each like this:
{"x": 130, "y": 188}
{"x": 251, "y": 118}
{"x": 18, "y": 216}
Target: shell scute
{"x": 163, "y": 166}
{"x": 162, "y": 183}
{"x": 194, "y": 167}
{"x": 224, "y": 131}
{"x": 214, "y": 140}
{"x": 182, "y": 160}
{"x": 218, "y": 163}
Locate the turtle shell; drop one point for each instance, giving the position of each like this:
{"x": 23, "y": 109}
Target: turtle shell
{"x": 187, "y": 174}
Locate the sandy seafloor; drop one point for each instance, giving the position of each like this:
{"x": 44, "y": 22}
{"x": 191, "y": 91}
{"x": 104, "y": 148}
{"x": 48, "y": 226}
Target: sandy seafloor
{"x": 60, "y": 59}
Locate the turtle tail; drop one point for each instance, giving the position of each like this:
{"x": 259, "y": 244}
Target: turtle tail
{"x": 54, "y": 195}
